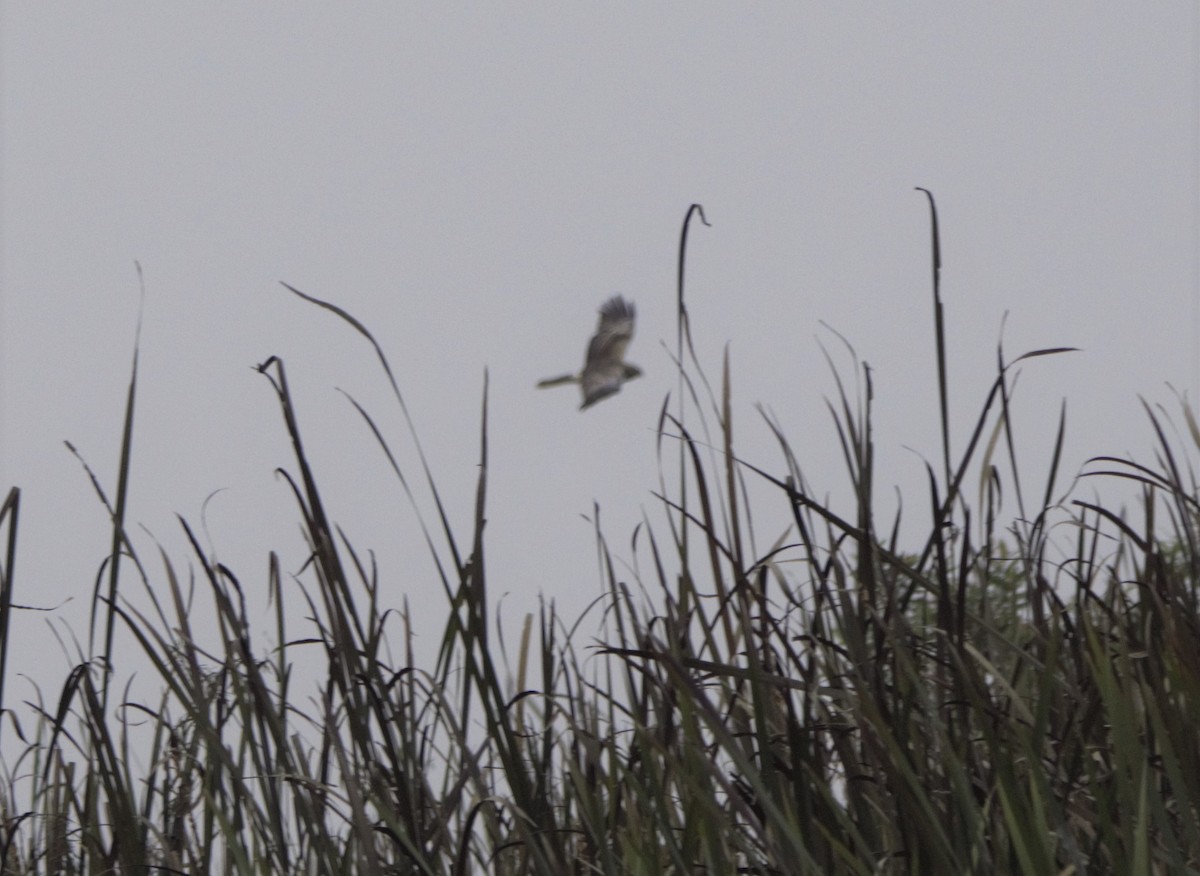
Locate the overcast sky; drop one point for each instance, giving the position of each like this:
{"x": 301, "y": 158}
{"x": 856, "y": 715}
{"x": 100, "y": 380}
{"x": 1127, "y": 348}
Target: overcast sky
{"x": 472, "y": 182}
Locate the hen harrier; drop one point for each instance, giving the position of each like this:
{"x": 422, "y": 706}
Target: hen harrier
{"x": 605, "y": 369}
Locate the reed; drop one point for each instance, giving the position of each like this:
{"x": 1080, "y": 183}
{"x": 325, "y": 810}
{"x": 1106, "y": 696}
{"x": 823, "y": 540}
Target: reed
{"x": 834, "y": 703}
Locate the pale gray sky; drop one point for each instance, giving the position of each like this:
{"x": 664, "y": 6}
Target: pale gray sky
{"x": 473, "y": 183}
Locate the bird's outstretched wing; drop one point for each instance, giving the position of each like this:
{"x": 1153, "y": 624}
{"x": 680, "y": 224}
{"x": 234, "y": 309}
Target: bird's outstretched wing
{"x": 613, "y": 333}
{"x": 605, "y": 369}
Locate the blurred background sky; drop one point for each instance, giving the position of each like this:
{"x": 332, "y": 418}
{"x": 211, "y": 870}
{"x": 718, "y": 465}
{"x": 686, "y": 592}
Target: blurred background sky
{"x": 473, "y": 181}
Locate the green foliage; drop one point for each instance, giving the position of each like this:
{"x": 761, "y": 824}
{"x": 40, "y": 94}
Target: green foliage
{"x": 828, "y": 705}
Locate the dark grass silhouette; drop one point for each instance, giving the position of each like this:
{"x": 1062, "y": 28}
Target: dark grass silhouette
{"x": 834, "y": 703}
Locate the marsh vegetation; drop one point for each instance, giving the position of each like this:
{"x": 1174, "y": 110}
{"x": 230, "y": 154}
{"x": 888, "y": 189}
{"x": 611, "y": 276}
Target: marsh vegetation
{"x": 1003, "y": 695}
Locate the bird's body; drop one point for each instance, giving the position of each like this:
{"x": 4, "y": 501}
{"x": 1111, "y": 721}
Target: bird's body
{"x": 605, "y": 368}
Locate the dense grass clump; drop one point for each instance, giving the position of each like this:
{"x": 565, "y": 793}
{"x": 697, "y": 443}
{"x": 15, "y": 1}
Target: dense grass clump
{"x": 836, "y": 703}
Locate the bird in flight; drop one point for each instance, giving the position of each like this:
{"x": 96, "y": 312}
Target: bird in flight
{"x": 605, "y": 368}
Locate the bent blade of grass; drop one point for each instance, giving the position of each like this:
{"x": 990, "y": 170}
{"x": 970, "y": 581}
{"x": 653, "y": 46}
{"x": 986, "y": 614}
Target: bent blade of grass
{"x": 361, "y": 329}
{"x": 9, "y": 516}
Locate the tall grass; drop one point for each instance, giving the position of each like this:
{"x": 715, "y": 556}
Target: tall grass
{"x": 980, "y": 701}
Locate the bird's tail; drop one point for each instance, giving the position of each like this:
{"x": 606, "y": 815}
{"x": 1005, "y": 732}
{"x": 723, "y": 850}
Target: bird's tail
{"x": 558, "y": 381}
